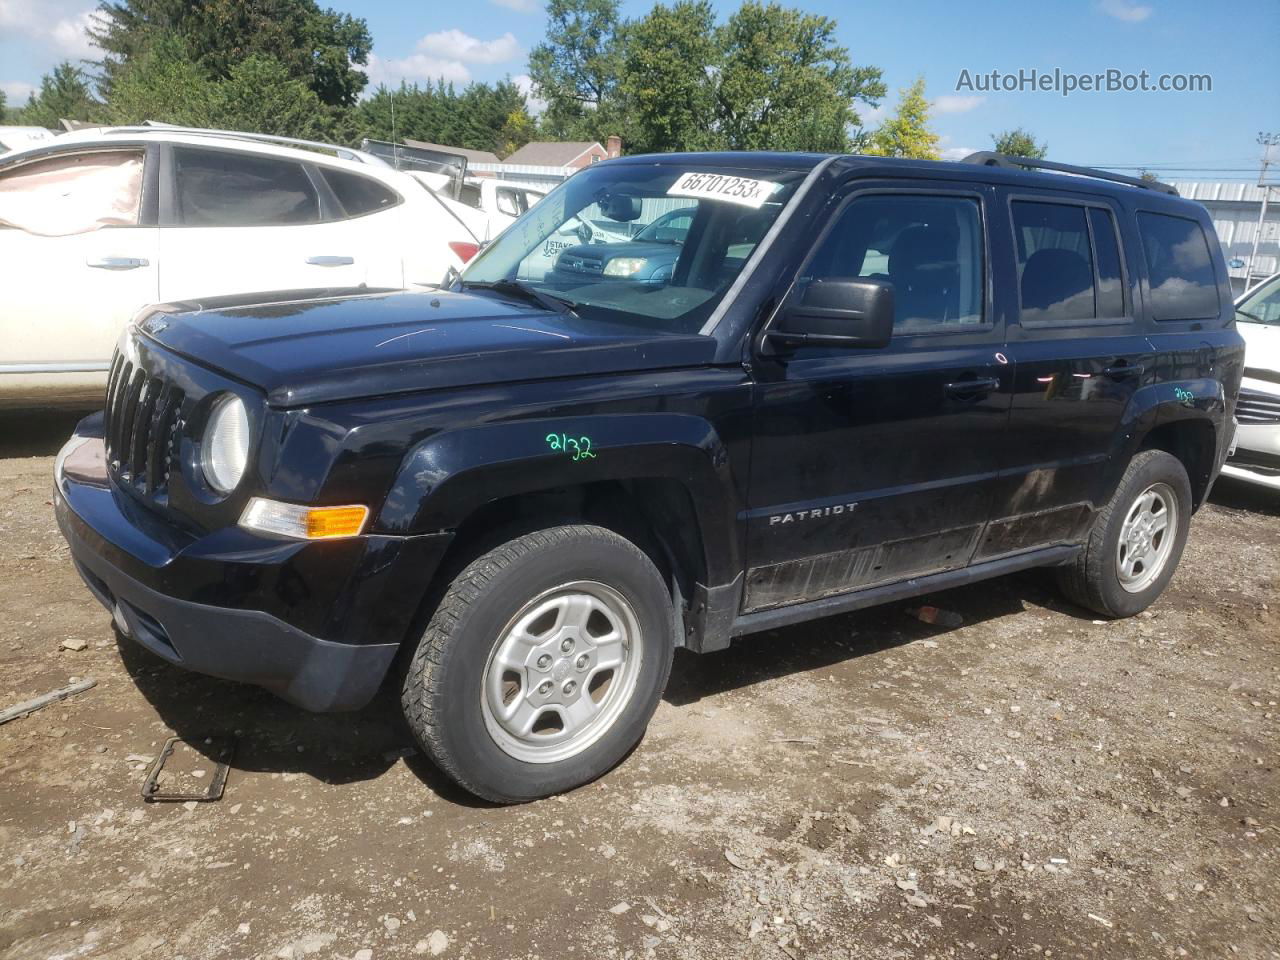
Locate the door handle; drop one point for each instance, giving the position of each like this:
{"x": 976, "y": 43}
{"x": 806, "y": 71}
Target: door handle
{"x": 972, "y": 387}
{"x": 117, "y": 263}
{"x": 1122, "y": 370}
{"x": 322, "y": 261}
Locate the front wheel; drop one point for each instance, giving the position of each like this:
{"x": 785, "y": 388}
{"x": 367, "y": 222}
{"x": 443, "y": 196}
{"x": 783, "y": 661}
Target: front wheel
{"x": 1136, "y": 540}
{"x": 543, "y": 663}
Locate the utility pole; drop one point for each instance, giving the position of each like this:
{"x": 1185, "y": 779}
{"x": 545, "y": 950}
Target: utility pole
{"x": 1267, "y": 141}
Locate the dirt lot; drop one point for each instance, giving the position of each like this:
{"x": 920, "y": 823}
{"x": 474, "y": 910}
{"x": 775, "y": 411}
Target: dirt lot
{"x": 1030, "y": 784}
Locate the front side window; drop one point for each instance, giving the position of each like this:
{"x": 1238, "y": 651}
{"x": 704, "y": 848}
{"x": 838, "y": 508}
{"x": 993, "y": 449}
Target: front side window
{"x": 653, "y": 246}
{"x": 930, "y": 248}
{"x": 220, "y": 188}
{"x": 1179, "y": 267}
{"x": 75, "y": 193}
{"x": 1262, "y": 305}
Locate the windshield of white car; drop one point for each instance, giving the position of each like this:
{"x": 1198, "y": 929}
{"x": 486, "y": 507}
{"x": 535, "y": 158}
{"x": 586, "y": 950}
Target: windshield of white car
{"x": 1262, "y": 305}
{"x": 654, "y": 246}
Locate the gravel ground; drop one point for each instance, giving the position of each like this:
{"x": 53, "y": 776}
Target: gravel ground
{"x": 1032, "y": 783}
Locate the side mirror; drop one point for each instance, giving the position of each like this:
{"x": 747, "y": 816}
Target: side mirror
{"x": 839, "y": 312}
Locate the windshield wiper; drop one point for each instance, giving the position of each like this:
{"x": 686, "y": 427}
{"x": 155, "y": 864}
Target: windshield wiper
{"x": 526, "y": 291}
{"x": 1254, "y": 317}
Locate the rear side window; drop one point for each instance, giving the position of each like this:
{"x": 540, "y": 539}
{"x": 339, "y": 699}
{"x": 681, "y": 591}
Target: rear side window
{"x": 1107, "y": 249}
{"x": 358, "y": 195}
{"x": 1180, "y": 268}
{"x": 217, "y": 188}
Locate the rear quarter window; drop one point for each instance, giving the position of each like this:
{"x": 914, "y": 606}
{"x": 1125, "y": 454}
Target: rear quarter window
{"x": 358, "y": 195}
{"x": 1179, "y": 267}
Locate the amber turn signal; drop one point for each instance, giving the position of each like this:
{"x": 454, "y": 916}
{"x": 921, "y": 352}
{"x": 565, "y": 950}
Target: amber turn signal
{"x": 302, "y": 522}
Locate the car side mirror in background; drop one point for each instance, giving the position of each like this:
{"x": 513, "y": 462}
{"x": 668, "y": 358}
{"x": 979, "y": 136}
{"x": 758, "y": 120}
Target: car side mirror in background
{"x": 839, "y": 312}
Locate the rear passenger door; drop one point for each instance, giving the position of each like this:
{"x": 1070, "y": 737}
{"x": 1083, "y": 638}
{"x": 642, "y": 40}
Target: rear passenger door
{"x": 1079, "y": 356}
{"x": 874, "y": 465}
{"x": 235, "y": 222}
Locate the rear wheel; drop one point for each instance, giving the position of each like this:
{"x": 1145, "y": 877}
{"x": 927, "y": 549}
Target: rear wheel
{"x": 543, "y": 663}
{"x": 1136, "y": 540}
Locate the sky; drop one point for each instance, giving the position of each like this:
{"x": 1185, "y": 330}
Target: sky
{"x": 1210, "y": 135}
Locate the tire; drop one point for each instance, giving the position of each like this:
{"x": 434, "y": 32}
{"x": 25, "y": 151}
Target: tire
{"x": 522, "y": 619}
{"x": 1120, "y": 583}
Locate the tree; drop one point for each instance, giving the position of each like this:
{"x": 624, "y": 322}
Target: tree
{"x": 64, "y": 93}
{"x": 906, "y": 133}
{"x": 481, "y": 117}
{"x": 165, "y": 84}
{"x": 785, "y": 84}
{"x": 321, "y": 48}
{"x": 575, "y": 70}
{"x": 667, "y": 83}
{"x": 1019, "y": 143}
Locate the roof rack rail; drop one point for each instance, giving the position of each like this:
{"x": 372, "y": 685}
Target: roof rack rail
{"x": 344, "y": 153}
{"x": 987, "y": 158}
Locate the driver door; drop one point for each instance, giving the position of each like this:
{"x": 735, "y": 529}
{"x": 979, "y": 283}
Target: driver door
{"x": 871, "y": 465}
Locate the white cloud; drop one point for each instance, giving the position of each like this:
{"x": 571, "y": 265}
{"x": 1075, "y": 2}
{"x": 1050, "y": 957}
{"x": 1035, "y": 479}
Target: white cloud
{"x": 441, "y": 56}
{"x": 462, "y": 47}
{"x": 415, "y": 68}
{"x": 17, "y": 92}
{"x": 53, "y": 25}
{"x": 957, "y": 153}
{"x": 953, "y": 103}
{"x": 71, "y": 36}
{"x": 872, "y": 116}
{"x": 525, "y": 84}
{"x": 18, "y": 14}
{"x": 519, "y": 6}
{"x": 1125, "y": 10}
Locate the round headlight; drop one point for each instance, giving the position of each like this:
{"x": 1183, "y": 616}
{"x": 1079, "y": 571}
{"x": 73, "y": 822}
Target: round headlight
{"x": 224, "y": 451}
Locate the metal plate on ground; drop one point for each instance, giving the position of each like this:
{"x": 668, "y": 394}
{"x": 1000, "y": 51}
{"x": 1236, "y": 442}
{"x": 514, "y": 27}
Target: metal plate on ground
{"x": 181, "y": 785}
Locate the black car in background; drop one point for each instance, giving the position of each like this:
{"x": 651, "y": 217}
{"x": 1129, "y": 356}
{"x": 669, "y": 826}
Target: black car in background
{"x": 856, "y": 380}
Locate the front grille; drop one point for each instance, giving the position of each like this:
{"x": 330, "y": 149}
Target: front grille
{"x": 1254, "y": 406}
{"x": 143, "y": 425}
{"x": 582, "y": 265}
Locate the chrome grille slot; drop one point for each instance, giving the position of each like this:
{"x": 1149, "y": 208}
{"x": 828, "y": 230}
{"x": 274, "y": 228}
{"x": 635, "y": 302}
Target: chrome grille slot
{"x": 143, "y": 420}
{"x": 1255, "y": 406}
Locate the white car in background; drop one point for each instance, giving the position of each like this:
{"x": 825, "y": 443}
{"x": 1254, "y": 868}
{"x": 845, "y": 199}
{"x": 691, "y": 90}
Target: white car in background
{"x": 20, "y": 138}
{"x": 501, "y": 201}
{"x": 1257, "y": 455}
{"x": 97, "y": 224}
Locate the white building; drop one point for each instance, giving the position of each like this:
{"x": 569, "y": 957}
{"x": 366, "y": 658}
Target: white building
{"x": 1234, "y": 208}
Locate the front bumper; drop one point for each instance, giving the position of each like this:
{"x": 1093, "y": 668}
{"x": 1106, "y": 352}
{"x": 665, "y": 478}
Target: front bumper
{"x": 153, "y": 578}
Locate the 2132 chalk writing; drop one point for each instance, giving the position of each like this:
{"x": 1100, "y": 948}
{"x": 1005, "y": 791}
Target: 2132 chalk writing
{"x": 1185, "y": 397}
{"x": 580, "y": 447}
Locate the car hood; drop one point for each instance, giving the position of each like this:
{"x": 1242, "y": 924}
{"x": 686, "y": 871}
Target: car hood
{"x": 334, "y": 345}
{"x": 1262, "y": 345}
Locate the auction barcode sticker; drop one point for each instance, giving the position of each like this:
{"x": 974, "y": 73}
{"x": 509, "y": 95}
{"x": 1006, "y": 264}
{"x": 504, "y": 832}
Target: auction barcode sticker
{"x": 746, "y": 191}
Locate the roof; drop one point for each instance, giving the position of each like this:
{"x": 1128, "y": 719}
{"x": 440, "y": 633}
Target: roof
{"x": 473, "y": 156}
{"x": 1222, "y": 191}
{"x": 552, "y": 153}
{"x": 310, "y": 151}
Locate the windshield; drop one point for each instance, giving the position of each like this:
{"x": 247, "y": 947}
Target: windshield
{"x": 1263, "y": 305}
{"x": 653, "y": 245}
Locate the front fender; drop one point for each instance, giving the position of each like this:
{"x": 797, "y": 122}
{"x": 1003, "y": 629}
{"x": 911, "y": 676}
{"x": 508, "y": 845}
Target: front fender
{"x": 446, "y": 477}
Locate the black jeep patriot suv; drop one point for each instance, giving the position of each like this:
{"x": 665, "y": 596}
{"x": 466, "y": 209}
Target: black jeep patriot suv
{"x": 862, "y": 379}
